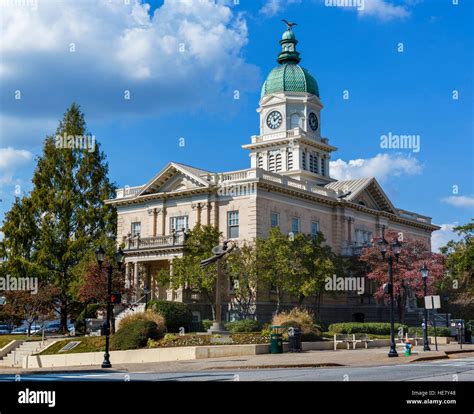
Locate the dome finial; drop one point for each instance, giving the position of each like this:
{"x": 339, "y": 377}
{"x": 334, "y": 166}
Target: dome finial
{"x": 288, "y": 44}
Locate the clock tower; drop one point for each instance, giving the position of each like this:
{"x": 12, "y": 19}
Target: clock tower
{"x": 290, "y": 141}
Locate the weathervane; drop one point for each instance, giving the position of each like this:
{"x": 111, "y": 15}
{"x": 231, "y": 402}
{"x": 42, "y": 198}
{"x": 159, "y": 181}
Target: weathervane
{"x": 289, "y": 25}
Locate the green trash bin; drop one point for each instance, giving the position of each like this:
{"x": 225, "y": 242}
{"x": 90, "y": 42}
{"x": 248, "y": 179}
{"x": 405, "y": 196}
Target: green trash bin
{"x": 276, "y": 339}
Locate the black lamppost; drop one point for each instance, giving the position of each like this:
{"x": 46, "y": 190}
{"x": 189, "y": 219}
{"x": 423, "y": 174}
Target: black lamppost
{"x": 146, "y": 291}
{"x": 396, "y": 248}
{"x": 446, "y": 302}
{"x": 424, "y": 274}
{"x": 119, "y": 259}
{"x": 219, "y": 252}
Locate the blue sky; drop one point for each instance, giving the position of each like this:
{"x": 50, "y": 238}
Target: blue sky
{"x": 182, "y": 60}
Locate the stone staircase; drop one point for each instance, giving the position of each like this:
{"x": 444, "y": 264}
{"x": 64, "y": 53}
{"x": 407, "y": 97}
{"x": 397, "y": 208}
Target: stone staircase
{"x": 15, "y": 357}
{"x": 140, "y": 307}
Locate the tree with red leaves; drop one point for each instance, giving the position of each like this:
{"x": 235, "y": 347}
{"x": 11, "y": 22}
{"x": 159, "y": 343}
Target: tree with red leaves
{"x": 31, "y": 307}
{"x": 406, "y": 271}
{"x": 94, "y": 285}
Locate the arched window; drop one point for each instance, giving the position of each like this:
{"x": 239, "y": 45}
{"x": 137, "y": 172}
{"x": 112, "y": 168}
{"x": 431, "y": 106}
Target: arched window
{"x": 289, "y": 160}
{"x": 271, "y": 161}
{"x": 259, "y": 161}
{"x": 323, "y": 166}
{"x": 303, "y": 160}
{"x": 278, "y": 162}
{"x": 311, "y": 162}
{"x": 295, "y": 121}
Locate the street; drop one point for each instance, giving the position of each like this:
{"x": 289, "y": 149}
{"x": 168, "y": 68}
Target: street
{"x": 441, "y": 370}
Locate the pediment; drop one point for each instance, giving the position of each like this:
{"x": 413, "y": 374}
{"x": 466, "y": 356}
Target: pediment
{"x": 366, "y": 192}
{"x": 174, "y": 178}
{"x": 269, "y": 100}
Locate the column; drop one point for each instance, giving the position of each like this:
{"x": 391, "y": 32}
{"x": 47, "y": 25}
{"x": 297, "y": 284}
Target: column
{"x": 208, "y": 213}
{"x": 155, "y": 219}
{"x": 198, "y": 208}
{"x": 163, "y": 218}
{"x": 135, "y": 280}
{"x": 128, "y": 281}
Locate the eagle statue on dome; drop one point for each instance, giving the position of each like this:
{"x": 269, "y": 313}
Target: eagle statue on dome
{"x": 289, "y": 25}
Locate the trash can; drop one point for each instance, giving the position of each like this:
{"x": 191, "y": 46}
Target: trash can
{"x": 294, "y": 339}
{"x": 467, "y": 335}
{"x": 276, "y": 339}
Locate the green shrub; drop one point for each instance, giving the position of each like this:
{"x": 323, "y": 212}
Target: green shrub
{"x": 176, "y": 314}
{"x": 206, "y": 324}
{"x": 376, "y": 328}
{"x": 145, "y": 316}
{"x": 245, "y": 325}
{"x": 298, "y": 318}
{"x": 440, "y": 331}
{"x": 134, "y": 335}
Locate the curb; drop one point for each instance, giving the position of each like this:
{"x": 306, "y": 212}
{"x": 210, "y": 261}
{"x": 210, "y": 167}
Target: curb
{"x": 322, "y": 365}
{"x": 429, "y": 358}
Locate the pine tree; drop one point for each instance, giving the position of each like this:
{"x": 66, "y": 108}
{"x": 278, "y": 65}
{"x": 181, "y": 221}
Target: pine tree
{"x": 65, "y": 211}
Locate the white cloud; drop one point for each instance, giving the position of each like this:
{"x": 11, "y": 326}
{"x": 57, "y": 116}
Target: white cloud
{"x": 11, "y": 160}
{"x": 459, "y": 201}
{"x": 381, "y": 166}
{"x": 383, "y": 10}
{"x": 186, "y": 54}
{"x": 273, "y": 7}
{"x": 441, "y": 237}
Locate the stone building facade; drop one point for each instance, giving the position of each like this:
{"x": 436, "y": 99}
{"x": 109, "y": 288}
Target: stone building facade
{"x": 287, "y": 185}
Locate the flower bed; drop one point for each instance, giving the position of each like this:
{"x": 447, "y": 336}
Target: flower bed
{"x": 171, "y": 340}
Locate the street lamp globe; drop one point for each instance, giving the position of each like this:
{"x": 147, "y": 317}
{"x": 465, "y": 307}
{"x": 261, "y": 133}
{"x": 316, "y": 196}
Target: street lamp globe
{"x": 424, "y": 272}
{"x": 396, "y": 248}
{"x": 119, "y": 257}
{"x": 100, "y": 255}
{"x": 383, "y": 246}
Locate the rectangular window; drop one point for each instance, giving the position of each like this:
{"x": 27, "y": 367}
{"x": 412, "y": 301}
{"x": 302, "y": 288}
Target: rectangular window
{"x": 233, "y": 224}
{"x": 136, "y": 228}
{"x": 179, "y": 223}
{"x": 295, "y": 225}
{"x": 275, "y": 220}
{"x": 363, "y": 237}
{"x": 314, "y": 229}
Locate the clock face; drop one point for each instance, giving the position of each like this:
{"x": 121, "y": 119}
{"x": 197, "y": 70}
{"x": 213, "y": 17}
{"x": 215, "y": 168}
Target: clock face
{"x": 313, "y": 121}
{"x": 274, "y": 120}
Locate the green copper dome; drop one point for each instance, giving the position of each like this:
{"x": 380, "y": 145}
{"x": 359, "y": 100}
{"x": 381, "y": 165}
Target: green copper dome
{"x": 289, "y": 76}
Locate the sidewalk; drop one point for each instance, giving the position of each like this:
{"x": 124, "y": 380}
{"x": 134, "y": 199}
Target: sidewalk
{"x": 358, "y": 357}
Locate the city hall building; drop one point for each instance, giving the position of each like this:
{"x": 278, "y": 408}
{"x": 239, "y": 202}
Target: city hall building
{"x": 288, "y": 184}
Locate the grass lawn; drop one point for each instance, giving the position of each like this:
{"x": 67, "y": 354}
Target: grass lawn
{"x": 88, "y": 344}
{"x": 5, "y": 339}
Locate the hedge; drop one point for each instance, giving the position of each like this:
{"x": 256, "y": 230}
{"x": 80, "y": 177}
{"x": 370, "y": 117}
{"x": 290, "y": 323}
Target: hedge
{"x": 245, "y": 325}
{"x": 440, "y": 331}
{"x": 376, "y": 328}
{"x": 176, "y": 314}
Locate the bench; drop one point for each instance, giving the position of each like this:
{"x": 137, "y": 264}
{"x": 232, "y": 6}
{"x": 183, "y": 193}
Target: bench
{"x": 342, "y": 338}
{"x": 413, "y": 338}
{"x": 360, "y": 338}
